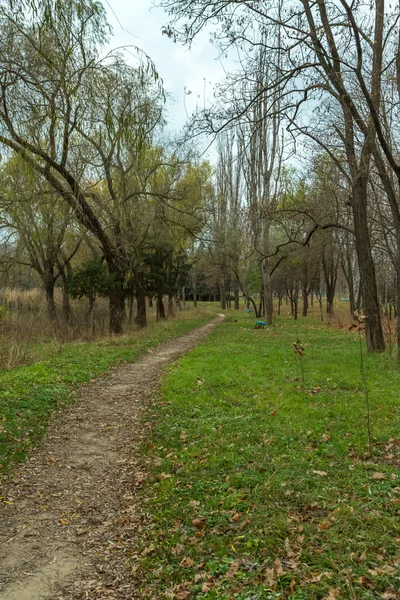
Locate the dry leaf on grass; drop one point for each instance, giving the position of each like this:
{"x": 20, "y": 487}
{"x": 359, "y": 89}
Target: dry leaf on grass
{"x": 269, "y": 577}
{"x": 320, "y": 473}
{"x": 199, "y": 523}
{"x": 333, "y": 594}
{"x": 187, "y": 562}
{"x": 384, "y": 570}
{"x": 378, "y": 476}
{"x": 182, "y": 595}
{"x": 278, "y": 567}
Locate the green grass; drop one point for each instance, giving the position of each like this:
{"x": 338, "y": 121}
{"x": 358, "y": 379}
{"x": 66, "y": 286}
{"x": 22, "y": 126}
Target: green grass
{"x": 30, "y": 394}
{"x": 262, "y": 489}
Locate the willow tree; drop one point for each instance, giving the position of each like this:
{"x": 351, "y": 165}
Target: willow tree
{"x": 41, "y": 226}
{"x": 75, "y": 118}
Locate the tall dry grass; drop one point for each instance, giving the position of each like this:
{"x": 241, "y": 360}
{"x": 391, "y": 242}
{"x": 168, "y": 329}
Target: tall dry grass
{"x": 26, "y": 330}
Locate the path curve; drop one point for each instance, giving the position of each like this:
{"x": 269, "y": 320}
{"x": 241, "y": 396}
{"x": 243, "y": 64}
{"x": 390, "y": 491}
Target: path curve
{"x": 69, "y": 515}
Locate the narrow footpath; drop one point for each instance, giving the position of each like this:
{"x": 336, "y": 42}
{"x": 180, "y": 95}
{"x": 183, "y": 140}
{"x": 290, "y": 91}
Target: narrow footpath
{"x": 70, "y": 519}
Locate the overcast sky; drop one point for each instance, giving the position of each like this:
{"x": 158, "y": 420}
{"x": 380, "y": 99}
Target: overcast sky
{"x": 197, "y": 69}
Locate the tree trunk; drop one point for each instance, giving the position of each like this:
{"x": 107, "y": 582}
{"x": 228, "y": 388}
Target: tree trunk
{"x": 117, "y": 309}
{"x": 194, "y": 284}
{"x": 91, "y": 300}
{"x": 373, "y": 326}
{"x": 236, "y": 296}
{"x": 131, "y": 297}
{"x": 398, "y": 299}
{"x": 305, "y": 290}
{"x": 160, "y": 307}
{"x": 305, "y": 301}
{"x": 329, "y": 302}
{"x": 50, "y": 301}
{"x": 141, "y": 316}
{"x": 296, "y": 304}
{"x": 170, "y": 305}
{"x": 66, "y": 306}
{"x": 222, "y": 292}
{"x": 267, "y": 293}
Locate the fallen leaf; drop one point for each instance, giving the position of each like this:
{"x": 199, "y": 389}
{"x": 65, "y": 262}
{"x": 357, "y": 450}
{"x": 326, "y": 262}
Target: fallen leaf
{"x": 162, "y": 476}
{"x": 194, "y": 503}
{"x": 182, "y": 595}
{"x": 231, "y": 572}
{"x": 384, "y": 570}
{"x": 199, "y": 523}
{"x": 278, "y": 567}
{"x": 324, "y": 525}
{"x": 378, "y": 476}
{"x": 289, "y": 552}
{"x": 236, "y": 516}
{"x": 148, "y": 550}
{"x": 269, "y": 578}
{"x": 391, "y": 595}
{"x": 333, "y": 594}
{"x": 199, "y": 381}
{"x": 318, "y": 577}
{"x": 300, "y": 539}
{"x": 187, "y": 562}
{"x": 366, "y": 582}
{"x": 326, "y": 437}
{"x": 320, "y": 473}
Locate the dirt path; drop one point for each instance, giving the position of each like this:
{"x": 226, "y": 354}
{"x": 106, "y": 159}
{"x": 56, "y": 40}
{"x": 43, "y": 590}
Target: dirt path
{"x": 70, "y": 518}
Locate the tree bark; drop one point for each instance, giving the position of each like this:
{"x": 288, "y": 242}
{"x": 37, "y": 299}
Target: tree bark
{"x": 66, "y": 305}
{"x": 267, "y": 293}
{"x": 373, "y": 326}
{"x": 194, "y": 284}
{"x": 50, "y": 301}
{"x": 141, "y": 315}
{"x": 117, "y": 310}
{"x": 170, "y": 305}
{"x": 222, "y": 292}
{"x": 236, "y": 296}
{"x": 160, "y": 307}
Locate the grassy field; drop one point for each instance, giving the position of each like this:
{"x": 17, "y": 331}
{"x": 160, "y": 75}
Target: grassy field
{"x": 29, "y": 394}
{"x": 261, "y": 484}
